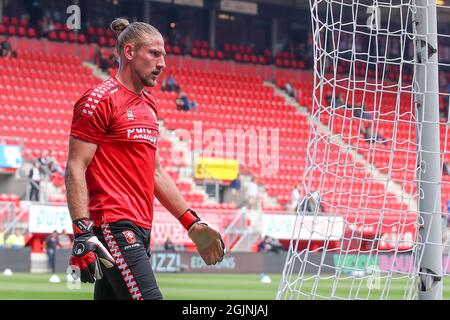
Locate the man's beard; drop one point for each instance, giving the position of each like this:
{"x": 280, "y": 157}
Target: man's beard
{"x": 148, "y": 81}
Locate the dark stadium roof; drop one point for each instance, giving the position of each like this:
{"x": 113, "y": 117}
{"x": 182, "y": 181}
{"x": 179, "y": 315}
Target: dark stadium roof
{"x": 287, "y": 3}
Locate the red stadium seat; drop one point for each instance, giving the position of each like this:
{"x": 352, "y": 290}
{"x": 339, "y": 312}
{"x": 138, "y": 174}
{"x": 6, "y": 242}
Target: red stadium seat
{"x": 262, "y": 60}
{"x": 91, "y": 31}
{"x": 58, "y": 26}
{"x": 5, "y": 20}
{"x": 53, "y": 36}
{"x": 82, "y": 38}
{"x": 197, "y": 44}
{"x": 14, "y": 21}
{"x": 111, "y": 42}
{"x": 101, "y": 32}
{"x": 31, "y": 33}
{"x": 72, "y": 37}
{"x": 109, "y": 33}
{"x": 278, "y": 62}
{"x": 2, "y": 29}
{"x": 21, "y": 32}
{"x": 12, "y": 30}
{"x": 24, "y": 22}
{"x": 62, "y": 36}
{"x": 102, "y": 41}
{"x": 176, "y": 50}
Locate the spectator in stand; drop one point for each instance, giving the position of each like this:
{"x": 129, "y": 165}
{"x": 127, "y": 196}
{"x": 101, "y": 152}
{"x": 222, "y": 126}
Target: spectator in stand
{"x": 168, "y": 245}
{"x": 98, "y": 56}
{"x": 64, "y": 240}
{"x": 174, "y": 35}
{"x": 359, "y": 111}
{"x": 366, "y": 114}
{"x": 372, "y": 136}
{"x": 187, "y": 45}
{"x": 269, "y": 244}
{"x": 52, "y": 164}
{"x": 446, "y": 168}
{"x": 172, "y": 84}
{"x": 43, "y": 162}
{"x": 183, "y": 102}
{"x": 46, "y": 26}
{"x": 164, "y": 85}
{"x": 339, "y": 101}
{"x": 6, "y": 49}
{"x": 51, "y": 243}
{"x": 329, "y": 98}
{"x": 114, "y": 61}
{"x": 252, "y": 194}
{"x": 105, "y": 63}
{"x": 235, "y": 186}
{"x": 289, "y": 90}
{"x": 35, "y": 180}
{"x": 295, "y": 198}
{"x": 312, "y": 203}
{"x": 16, "y": 240}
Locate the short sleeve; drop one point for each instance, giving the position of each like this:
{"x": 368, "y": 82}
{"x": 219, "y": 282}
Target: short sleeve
{"x": 91, "y": 117}
{"x": 151, "y": 100}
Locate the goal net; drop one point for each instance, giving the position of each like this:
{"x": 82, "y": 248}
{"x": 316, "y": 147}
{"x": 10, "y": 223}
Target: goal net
{"x": 372, "y": 222}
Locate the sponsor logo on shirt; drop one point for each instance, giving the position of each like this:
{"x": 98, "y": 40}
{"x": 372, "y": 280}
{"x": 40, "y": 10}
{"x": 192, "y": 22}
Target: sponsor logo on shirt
{"x": 147, "y": 134}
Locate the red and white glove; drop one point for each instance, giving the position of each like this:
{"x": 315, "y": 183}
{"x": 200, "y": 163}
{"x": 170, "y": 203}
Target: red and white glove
{"x": 88, "y": 251}
{"x": 207, "y": 239}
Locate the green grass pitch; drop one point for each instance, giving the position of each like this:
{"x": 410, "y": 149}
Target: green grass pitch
{"x": 180, "y": 286}
{"x": 177, "y": 286}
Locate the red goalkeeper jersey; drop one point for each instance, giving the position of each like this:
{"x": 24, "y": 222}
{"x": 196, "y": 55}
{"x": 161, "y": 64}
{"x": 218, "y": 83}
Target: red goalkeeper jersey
{"x": 120, "y": 177}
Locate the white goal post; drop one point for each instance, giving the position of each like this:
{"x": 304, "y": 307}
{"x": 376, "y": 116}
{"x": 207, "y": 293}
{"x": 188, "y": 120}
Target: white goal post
{"x": 378, "y": 141}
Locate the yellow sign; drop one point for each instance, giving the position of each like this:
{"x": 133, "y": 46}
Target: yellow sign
{"x": 216, "y": 169}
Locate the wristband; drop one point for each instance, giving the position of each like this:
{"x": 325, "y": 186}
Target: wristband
{"x": 188, "y": 218}
{"x": 83, "y": 225}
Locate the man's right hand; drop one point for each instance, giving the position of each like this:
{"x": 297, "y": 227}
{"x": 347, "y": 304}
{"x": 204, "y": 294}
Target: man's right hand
{"x": 87, "y": 251}
{"x": 207, "y": 239}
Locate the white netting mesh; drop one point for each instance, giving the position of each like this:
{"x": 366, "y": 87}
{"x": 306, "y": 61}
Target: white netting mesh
{"x": 374, "y": 71}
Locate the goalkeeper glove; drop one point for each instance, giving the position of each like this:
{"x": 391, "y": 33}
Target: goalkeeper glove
{"x": 87, "y": 251}
{"x": 207, "y": 239}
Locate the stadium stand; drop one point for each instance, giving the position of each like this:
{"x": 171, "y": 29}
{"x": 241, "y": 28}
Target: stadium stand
{"x": 378, "y": 108}
{"x": 41, "y": 115}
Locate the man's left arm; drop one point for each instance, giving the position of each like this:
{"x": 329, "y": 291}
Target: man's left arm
{"x": 207, "y": 239}
{"x": 167, "y": 192}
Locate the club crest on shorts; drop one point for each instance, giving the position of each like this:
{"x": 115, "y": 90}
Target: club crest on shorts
{"x": 129, "y": 236}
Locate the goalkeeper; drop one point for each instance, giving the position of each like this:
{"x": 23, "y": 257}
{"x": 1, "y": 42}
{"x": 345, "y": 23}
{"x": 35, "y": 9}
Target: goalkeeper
{"x": 113, "y": 173}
